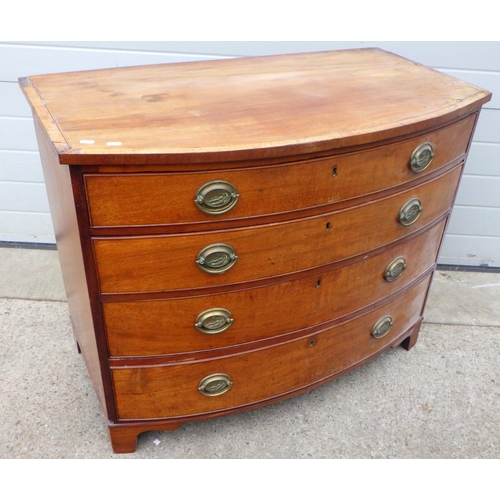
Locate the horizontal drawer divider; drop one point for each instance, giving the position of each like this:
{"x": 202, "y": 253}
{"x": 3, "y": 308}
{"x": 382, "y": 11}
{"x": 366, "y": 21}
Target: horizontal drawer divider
{"x": 192, "y": 292}
{"x": 161, "y": 263}
{"x": 192, "y": 357}
{"x": 199, "y": 416}
{"x": 215, "y": 225}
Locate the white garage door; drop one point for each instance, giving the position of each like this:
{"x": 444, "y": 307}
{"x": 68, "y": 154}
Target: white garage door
{"x": 473, "y": 236}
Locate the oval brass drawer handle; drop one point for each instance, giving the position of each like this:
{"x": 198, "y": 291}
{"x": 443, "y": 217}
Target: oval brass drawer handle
{"x": 382, "y": 327}
{"x": 395, "y": 269}
{"x": 215, "y": 385}
{"x": 216, "y": 258}
{"x": 213, "y": 321}
{"x": 410, "y": 212}
{"x": 422, "y": 157}
{"x": 216, "y": 197}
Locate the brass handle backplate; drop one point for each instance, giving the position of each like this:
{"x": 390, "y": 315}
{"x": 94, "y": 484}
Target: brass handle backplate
{"x": 410, "y": 212}
{"x": 215, "y": 385}
{"x": 395, "y": 269}
{"x": 213, "y": 321}
{"x": 382, "y": 327}
{"x": 422, "y": 157}
{"x": 217, "y": 258}
{"x": 216, "y": 197}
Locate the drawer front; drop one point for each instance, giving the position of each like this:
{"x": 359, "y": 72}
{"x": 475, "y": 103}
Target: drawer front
{"x": 141, "y": 264}
{"x": 173, "y": 390}
{"x": 158, "y": 327}
{"x": 158, "y": 199}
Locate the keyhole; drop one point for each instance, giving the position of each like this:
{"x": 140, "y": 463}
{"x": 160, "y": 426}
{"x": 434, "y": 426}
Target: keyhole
{"x": 334, "y": 171}
{"x": 318, "y": 283}
{"x": 328, "y": 226}
{"x": 311, "y": 343}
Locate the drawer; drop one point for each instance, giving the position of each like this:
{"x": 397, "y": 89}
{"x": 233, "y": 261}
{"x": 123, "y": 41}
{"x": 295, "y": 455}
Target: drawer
{"x": 145, "y": 328}
{"x": 151, "y": 392}
{"x": 158, "y": 199}
{"x": 160, "y": 263}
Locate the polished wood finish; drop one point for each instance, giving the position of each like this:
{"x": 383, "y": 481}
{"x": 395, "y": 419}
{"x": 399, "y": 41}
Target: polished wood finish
{"x": 162, "y": 327}
{"x": 171, "y": 390}
{"x": 124, "y": 437}
{"x": 169, "y": 263}
{"x": 59, "y": 185}
{"x": 118, "y": 200}
{"x": 318, "y": 147}
{"x": 245, "y": 108}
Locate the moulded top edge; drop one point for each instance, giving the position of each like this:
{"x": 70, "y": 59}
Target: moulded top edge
{"x": 238, "y": 109}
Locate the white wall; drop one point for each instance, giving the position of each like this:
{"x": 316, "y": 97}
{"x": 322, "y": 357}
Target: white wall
{"x": 474, "y": 233}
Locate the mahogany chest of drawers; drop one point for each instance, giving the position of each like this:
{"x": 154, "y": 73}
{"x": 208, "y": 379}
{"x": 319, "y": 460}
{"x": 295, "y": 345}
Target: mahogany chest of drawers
{"x": 235, "y": 232}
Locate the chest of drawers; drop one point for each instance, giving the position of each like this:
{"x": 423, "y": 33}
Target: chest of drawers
{"x": 235, "y": 232}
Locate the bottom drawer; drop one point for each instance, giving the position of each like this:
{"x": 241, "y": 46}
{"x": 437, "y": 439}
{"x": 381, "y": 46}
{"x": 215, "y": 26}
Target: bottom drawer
{"x": 170, "y": 391}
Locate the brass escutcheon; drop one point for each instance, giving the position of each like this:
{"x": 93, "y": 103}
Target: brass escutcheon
{"x": 216, "y": 258}
{"x": 422, "y": 157}
{"x": 410, "y": 212}
{"x": 213, "y": 321}
{"x": 216, "y": 197}
{"x": 382, "y": 327}
{"x": 395, "y": 269}
{"x": 215, "y": 385}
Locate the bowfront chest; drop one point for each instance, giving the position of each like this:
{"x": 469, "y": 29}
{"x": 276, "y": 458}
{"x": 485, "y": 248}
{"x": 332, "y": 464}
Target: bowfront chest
{"x": 235, "y": 232}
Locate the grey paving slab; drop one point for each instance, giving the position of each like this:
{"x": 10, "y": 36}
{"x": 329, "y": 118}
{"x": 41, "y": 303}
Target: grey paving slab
{"x": 440, "y": 400}
{"x": 464, "y": 298}
{"x": 30, "y": 274}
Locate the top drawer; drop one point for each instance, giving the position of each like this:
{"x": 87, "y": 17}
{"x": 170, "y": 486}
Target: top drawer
{"x": 178, "y": 198}
{"x": 218, "y": 258}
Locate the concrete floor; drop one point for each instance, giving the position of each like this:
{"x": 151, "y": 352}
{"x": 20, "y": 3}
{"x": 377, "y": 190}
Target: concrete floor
{"x": 440, "y": 400}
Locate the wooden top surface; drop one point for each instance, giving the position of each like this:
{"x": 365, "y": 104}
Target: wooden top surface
{"x": 238, "y": 109}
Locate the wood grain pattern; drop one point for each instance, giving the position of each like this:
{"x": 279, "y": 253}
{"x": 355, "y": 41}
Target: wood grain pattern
{"x": 312, "y": 246}
{"x": 149, "y": 199}
{"x": 168, "y": 263}
{"x": 147, "y": 328}
{"x": 245, "y": 108}
{"x": 172, "y": 390}
{"x": 124, "y": 434}
{"x": 69, "y": 246}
